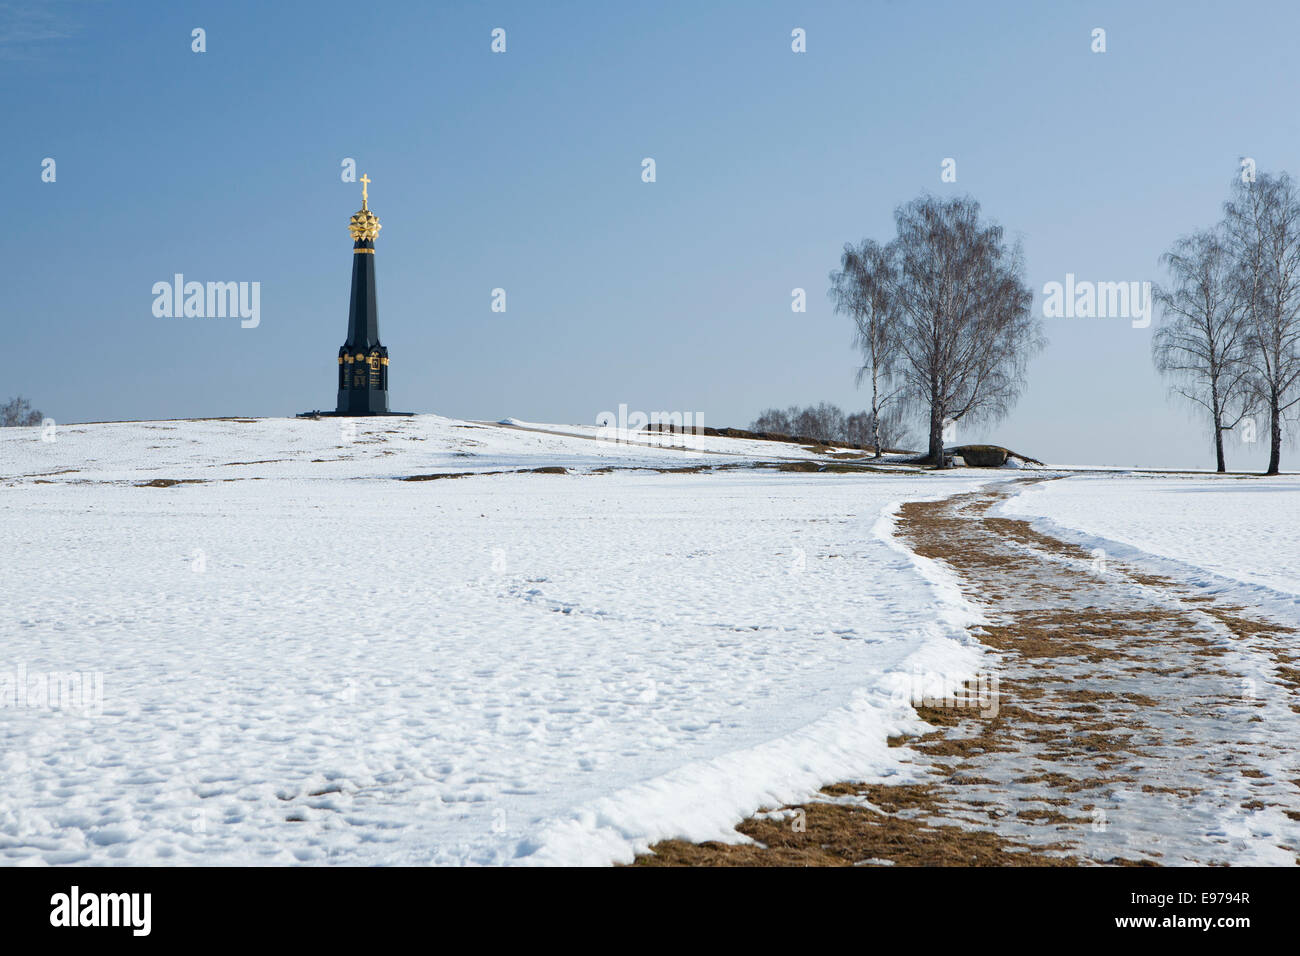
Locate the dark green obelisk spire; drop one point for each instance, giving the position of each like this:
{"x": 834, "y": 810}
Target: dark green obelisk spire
{"x": 363, "y": 360}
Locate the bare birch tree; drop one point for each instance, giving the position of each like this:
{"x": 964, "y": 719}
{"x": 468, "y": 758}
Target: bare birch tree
{"x": 1262, "y": 220}
{"x": 862, "y": 288}
{"x": 1201, "y": 342}
{"x": 966, "y": 329}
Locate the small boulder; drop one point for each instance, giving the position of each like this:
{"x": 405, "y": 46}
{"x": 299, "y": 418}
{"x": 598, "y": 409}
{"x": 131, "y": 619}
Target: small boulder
{"x": 981, "y": 456}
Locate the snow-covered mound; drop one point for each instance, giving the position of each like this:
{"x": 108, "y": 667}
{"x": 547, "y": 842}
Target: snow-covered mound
{"x": 218, "y": 449}
{"x": 301, "y": 658}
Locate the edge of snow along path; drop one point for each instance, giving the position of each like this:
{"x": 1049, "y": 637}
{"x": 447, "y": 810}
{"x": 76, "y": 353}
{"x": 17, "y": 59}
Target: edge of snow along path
{"x": 704, "y": 800}
{"x": 1274, "y": 602}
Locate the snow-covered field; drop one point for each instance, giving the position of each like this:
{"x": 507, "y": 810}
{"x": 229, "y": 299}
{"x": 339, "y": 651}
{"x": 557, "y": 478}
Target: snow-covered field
{"x": 289, "y": 655}
{"x": 1235, "y": 537}
{"x": 248, "y": 641}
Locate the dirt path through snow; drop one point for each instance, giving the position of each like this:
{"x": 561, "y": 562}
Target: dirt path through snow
{"x": 1136, "y": 723}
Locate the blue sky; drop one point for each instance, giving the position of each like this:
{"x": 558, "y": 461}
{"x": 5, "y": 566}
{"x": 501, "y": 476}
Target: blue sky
{"x": 522, "y": 171}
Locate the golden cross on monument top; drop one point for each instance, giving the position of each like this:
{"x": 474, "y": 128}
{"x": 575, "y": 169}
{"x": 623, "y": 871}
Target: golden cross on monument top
{"x": 365, "y": 181}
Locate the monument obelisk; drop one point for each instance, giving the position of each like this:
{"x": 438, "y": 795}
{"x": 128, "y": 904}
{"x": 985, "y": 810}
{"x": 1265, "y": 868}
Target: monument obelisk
{"x": 363, "y": 359}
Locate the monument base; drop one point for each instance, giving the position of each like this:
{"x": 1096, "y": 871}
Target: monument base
{"x": 336, "y": 414}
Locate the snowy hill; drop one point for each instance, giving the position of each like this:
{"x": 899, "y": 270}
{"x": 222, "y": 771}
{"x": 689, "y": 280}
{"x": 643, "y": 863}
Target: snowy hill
{"x": 283, "y": 652}
{"x": 304, "y": 659}
{"x": 330, "y": 448}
